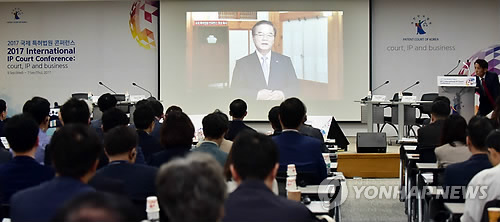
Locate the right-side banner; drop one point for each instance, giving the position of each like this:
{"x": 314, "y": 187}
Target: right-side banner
{"x": 420, "y": 40}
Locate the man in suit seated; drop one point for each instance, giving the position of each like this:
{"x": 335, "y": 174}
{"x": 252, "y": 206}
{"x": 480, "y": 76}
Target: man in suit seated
{"x": 238, "y": 111}
{"x": 144, "y": 121}
{"x": 75, "y": 150}
{"x": 138, "y": 179}
{"x": 192, "y": 189}
{"x": 254, "y": 167}
{"x": 274, "y": 119}
{"x": 23, "y": 171}
{"x": 159, "y": 115}
{"x": 298, "y": 149}
{"x": 429, "y": 136}
{"x": 487, "y": 86}
{"x": 459, "y": 174}
{"x": 264, "y": 75}
{"x": 3, "y": 115}
{"x": 39, "y": 109}
{"x": 105, "y": 102}
{"x": 214, "y": 129}
{"x": 489, "y": 178}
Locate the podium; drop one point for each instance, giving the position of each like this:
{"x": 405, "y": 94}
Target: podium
{"x": 460, "y": 90}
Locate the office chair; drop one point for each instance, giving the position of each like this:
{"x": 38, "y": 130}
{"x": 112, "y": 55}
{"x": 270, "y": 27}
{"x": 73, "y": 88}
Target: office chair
{"x": 425, "y": 108}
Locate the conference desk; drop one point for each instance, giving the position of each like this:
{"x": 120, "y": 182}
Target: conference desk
{"x": 401, "y": 114}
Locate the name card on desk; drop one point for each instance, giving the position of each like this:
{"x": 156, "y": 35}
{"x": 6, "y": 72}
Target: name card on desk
{"x": 137, "y": 98}
{"x": 378, "y": 98}
{"x": 456, "y": 81}
{"x": 409, "y": 99}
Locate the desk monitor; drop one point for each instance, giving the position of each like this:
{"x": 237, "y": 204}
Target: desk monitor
{"x": 336, "y": 133}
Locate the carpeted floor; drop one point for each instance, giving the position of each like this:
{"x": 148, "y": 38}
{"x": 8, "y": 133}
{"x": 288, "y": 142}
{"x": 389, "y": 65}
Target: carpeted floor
{"x": 376, "y": 209}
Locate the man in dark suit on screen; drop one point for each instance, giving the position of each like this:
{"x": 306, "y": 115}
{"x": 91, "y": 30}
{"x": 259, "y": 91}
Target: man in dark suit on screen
{"x": 487, "y": 86}
{"x": 264, "y": 75}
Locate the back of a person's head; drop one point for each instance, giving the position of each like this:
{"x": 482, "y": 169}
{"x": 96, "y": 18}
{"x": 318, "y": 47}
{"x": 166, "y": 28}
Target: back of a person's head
{"x": 75, "y": 111}
{"x": 274, "y": 118}
{"x": 38, "y": 108}
{"x": 112, "y": 118}
{"x": 454, "y": 129}
{"x": 440, "y": 109}
{"x": 177, "y": 130}
{"x": 478, "y": 129}
{"x": 143, "y": 117}
{"x": 442, "y": 98}
{"x": 192, "y": 189}
{"x": 493, "y": 140}
{"x": 74, "y": 150}
{"x": 97, "y": 207}
{"x": 292, "y": 112}
{"x": 21, "y": 132}
{"x": 157, "y": 107}
{"x": 3, "y": 106}
{"x": 238, "y": 108}
{"x": 106, "y": 101}
{"x": 254, "y": 155}
{"x": 120, "y": 140}
{"x": 214, "y": 125}
{"x": 173, "y": 108}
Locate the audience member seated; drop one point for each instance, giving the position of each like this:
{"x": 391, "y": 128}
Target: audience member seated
{"x": 23, "y": 171}
{"x": 176, "y": 137}
{"x": 254, "y": 167}
{"x": 488, "y": 178}
{"x": 158, "y": 114}
{"x": 238, "y": 111}
{"x": 97, "y": 207}
{"x": 110, "y": 119}
{"x": 214, "y": 128}
{"x": 295, "y": 148}
{"x": 225, "y": 144}
{"x": 39, "y": 109}
{"x": 192, "y": 189}
{"x": 75, "y": 150}
{"x": 459, "y": 174}
{"x": 144, "y": 121}
{"x": 453, "y": 139}
{"x": 105, "y": 102}
{"x": 232, "y": 185}
{"x": 72, "y": 111}
{"x": 3, "y": 115}
{"x": 172, "y": 108}
{"x": 429, "y": 136}
{"x": 309, "y": 130}
{"x": 139, "y": 180}
{"x": 273, "y": 117}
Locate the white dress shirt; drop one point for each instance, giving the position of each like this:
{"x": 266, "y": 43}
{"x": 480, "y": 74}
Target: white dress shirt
{"x": 268, "y": 63}
{"x": 474, "y": 206}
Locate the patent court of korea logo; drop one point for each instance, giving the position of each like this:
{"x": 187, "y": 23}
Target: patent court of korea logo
{"x": 17, "y": 12}
{"x": 421, "y": 23}
{"x": 16, "y": 15}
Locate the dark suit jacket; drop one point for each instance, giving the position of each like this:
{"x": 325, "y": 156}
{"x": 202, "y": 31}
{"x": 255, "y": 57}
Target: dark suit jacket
{"x": 430, "y": 135}
{"x": 40, "y": 203}
{"x": 460, "y": 174}
{"x": 149, "y": 145}
{"x": 138, "y": 180}
{"x": 248, "y": 77}
{"x": 235, "y": 127}
{"x": 315, "y": 133}
{"x": 167, "y": 154}
{"x": 156, "y": 130}
{"x": 493, "y": 86}
{"x": 96, "y": 125}
{"x": 20, "y": 173}
{"x": 253, "y": 201}
{"x": 5, "y": 155}
{"x": 2, "y": 123}
{"x": 303, "y": 151}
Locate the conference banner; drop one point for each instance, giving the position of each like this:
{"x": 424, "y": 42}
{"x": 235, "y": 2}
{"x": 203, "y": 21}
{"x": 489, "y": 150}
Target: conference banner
{"x": 55, "y": 49}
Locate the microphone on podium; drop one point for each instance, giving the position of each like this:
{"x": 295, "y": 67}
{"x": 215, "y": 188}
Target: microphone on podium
{"x": 458, "y": 63}
{"x": 150, "y": 94}
{"x": 385, "y": 83}
{"x": 102, "y": 84}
